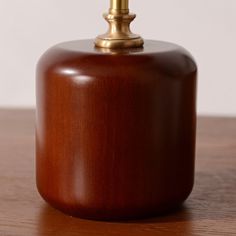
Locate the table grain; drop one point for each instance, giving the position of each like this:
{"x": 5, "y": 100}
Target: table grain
{"x": 210, "y": 210}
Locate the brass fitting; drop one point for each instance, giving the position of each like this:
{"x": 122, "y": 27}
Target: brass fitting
{"x": 119, "y": 34}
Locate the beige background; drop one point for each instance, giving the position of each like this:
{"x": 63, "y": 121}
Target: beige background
{"x": 207, "y": 28}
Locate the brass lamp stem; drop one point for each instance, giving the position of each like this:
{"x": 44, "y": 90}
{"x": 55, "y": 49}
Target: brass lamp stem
{"x": 119, "y": 34}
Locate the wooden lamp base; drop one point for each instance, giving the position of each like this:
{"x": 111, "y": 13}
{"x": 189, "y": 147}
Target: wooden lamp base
{"x": 115, "y": 129}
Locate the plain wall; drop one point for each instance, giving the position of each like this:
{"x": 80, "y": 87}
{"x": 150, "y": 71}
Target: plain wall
{"x": 207, "y": 28}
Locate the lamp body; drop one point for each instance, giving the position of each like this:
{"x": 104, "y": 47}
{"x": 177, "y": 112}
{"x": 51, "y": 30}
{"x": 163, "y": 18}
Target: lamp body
{"x": 115, "y": 130}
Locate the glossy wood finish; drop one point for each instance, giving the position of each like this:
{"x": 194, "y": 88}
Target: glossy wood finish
{"x": 210, "y": 210}
{"x": 115, "y": 130}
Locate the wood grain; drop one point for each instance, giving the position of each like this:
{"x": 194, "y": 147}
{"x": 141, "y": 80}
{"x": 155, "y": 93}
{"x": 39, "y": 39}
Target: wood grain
{"x": 210, "y": 210}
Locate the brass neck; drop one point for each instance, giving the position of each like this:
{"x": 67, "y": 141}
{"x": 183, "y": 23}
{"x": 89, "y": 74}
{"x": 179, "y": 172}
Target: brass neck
{"x": 119, "y": 34}
{"x": 119, "y": 4}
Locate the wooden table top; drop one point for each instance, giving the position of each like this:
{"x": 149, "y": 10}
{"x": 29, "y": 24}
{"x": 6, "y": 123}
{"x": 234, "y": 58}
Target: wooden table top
{"x": 210, "y": 210}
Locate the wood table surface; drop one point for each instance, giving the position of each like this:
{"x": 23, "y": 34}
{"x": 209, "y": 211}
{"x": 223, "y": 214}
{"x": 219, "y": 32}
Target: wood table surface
{"x": 210, "y": 210}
